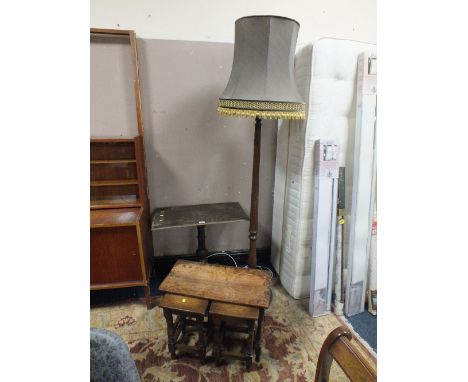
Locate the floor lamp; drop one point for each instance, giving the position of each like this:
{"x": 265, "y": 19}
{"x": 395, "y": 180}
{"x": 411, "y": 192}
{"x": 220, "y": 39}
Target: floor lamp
{"x": 261, "y": 86}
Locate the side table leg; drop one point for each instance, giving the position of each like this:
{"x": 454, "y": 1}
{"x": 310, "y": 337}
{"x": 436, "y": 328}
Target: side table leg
{"x": 258, "y": 335}
{"x": 202, "y": 334}
{"x": 201, "y": 250}
{"x": 217, "y": 340}
{"x": 148, "y": 297}
{"x": 170, "y": 332}
{"x": 250, "y": 342}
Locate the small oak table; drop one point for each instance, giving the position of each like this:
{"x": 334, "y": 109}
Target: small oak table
{"x": 242, "y": 286}
{"x": 198, "y": 216}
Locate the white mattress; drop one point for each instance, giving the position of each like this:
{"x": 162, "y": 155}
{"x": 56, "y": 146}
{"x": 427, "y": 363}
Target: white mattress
{"x": 326, "y": 78}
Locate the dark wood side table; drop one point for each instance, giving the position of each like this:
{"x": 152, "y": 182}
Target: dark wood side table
{"x": 242, "y": 286}
{"x": 199, "y": 216}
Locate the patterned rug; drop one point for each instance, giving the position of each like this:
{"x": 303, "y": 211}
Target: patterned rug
{"x": 290, "y": 346}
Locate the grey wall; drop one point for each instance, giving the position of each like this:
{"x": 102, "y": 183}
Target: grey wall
{"x": 113, "y": 110}
{"x": 193, "y": 155}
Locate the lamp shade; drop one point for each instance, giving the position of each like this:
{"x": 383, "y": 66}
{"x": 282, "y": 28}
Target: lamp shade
{"x": 262, "y": 77}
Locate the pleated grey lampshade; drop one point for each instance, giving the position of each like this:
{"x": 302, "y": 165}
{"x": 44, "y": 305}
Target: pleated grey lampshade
{"x": 262, "y": 77}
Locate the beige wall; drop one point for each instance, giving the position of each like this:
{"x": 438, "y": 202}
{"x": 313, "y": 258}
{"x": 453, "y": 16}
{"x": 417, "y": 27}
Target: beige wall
{"x": 112, "y": 96}
{"x": 213, "y": 20}
{"x": 193, "y": 154}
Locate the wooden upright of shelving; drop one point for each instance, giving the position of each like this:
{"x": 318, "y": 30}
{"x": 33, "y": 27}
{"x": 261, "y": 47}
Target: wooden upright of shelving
{"x": 121, "y": 241}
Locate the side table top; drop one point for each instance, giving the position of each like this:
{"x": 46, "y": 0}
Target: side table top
{"x": 244, "y": 286}
{"x": 194, "y": 215}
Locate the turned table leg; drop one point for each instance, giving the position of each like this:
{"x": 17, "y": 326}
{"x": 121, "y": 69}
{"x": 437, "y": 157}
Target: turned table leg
{"x": 170, "y": 332}
{"x": 258, "y": 335}
{"x": 217, "y": 339}
{"x": 250, "y": 343}
{"x": 202, "y": 339}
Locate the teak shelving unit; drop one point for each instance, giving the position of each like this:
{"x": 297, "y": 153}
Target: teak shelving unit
{"x": 117, "y": 173}
{"x": 121, "y": 242}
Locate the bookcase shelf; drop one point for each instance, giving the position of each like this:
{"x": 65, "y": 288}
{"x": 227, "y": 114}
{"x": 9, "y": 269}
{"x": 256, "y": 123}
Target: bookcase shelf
{"x": 117, "y": 173}
{"x": 113, "y": 161}
{"x": 113, "y": 203}
{"x": 115, "y": 182}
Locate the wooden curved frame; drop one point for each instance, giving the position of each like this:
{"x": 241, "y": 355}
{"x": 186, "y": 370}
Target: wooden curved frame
{"x": 338, "y": 347}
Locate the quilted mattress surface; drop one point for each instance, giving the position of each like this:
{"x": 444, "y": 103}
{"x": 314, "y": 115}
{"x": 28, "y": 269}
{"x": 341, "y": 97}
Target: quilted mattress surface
{"x": 326, "y": 78}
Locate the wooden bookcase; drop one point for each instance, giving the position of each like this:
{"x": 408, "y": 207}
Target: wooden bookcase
{"x": 121, "y": 242}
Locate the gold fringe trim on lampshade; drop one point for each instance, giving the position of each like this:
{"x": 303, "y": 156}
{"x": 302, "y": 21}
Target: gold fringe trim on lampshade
{"x": 262, "y": 109}
{"x": 264, "y": 114}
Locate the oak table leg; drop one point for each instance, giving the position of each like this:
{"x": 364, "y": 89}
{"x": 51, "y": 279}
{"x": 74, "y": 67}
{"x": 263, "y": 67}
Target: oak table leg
{"x": 202, "y": 338}
{"x": 258, "y": 335}
{"x": 250, "y": 343}
{"x": 170, "y": 332}
{"x": 217, "y": 340}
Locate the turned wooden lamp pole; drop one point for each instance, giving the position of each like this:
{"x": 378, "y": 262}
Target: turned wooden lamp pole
{"x": 253, "y": 228}
{"x": 261, "y": 86}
